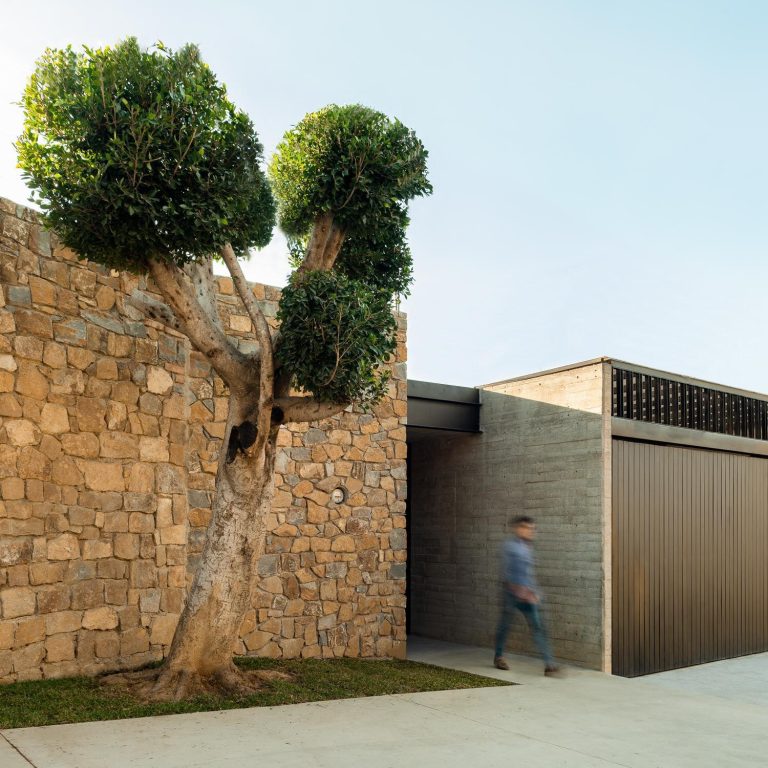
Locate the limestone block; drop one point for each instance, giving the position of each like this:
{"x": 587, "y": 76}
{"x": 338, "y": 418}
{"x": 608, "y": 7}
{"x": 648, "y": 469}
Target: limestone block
{"x": 90, "y": 413}
{"x": 22, "y": 432}
{"x": 10, "y": 406}
{"x": 143, "y": 574}
{"x": 154, "y": 449}
{"x": 94, "y": 549}
{"x": 106, "y": 369}
{"x": 7, "y": 363}
{"x": 17, "y": 601}
{"x": 83, "y": 282}
{"x": 343, "y": 544}
{"x": 104, "y": 617}
{"x": 83, "y": 444}
{"x": 256, "y": 640}
{"x": 27, "y": 659}
{"x": 397, "y": 539}
{"x": 46, "y": 573}
{"x": 33, "y": 323}
{"x": 80, "y": 358}
{"x": 291, "y": 649}
{"x": 141, "y": 523}
{"x": 103, "y": 476}
{"x": 54, "y": 355}
{"x": 134, "y": 640}
{"x": 29, "y": 630}
{"x": 107, "y": 645}
{"x": 162, "y": 628}
{"x": 170, "y": 479}
{"x": 174, "y": 534}
{"x": 52, "y": 599}
{"x": 12, "y": 488}
{"x": 303, "y": 489}
{"x": 125, "y": 392}
{"x": 118, "y": 445}
{"x": 60, "y": 648}
{"x": 311, "y": 651}
{"x": 87, "y": 594}
{"x": 117, "y": 416}
{"x": 141, "y": 477}
{"x": 64, "y": 471}
{"x": 159, "y": 381}
{"x": 174, "y": 407}
{"x": 105, "y": 297}
{"x": 240, "y": 323}
{"x": 6, "y": 636}
{"x": 126, "y": 546}
{"x": 15, "y": 551}
{"x": 7, "y": 323}
{"x": 64, "y": 547}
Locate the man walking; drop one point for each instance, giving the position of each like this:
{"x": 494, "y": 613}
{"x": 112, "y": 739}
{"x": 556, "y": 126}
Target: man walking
{"x": 521, "y": 593}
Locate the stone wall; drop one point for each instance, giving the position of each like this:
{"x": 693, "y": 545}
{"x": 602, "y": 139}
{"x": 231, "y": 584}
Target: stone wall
{"x": 109, "y": 433}
{"x": 541, "y": 453}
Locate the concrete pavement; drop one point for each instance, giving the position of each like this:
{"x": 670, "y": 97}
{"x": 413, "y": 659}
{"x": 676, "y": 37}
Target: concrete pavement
{"x": 587, "y": 719}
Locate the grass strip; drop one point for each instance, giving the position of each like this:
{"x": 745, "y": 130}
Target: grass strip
{"x": 85, "y": 699}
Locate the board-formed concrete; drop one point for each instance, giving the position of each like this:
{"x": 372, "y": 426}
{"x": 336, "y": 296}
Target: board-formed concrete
{"x": 542, "y": 452}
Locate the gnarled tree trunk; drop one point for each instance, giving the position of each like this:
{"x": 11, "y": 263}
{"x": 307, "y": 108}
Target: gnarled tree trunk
{"x": 200, "y": 658}
{"x": 201, "y": 654}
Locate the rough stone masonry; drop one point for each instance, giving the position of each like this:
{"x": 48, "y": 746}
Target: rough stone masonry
{"x": 110, "y": 428}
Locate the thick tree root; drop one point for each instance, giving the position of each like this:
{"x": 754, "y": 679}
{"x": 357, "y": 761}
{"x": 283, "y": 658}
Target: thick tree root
{"x": 166, "y": 684}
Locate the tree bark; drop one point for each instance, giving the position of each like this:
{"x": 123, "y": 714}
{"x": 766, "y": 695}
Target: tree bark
{"x": 304, "y": 408}
{"x": 324, "y": 244}
{"x": 201, "y": 655}
{"x": 201, "y": 329}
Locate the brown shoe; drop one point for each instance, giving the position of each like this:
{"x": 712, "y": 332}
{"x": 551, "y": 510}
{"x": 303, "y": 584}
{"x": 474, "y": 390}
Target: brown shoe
{"x": 553, "y": 672}
{"x": 500, "y": 663}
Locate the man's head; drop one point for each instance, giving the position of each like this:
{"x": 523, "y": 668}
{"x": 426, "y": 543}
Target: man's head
{"x": 524, "y": 527}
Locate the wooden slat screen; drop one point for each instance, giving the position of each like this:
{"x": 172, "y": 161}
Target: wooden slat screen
{"x": 643, "y": 397}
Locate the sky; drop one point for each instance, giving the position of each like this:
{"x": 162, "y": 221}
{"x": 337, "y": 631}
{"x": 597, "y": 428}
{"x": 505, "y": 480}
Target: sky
{"x": 600, "y": 168}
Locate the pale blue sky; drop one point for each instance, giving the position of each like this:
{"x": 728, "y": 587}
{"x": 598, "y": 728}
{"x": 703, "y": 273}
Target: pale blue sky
{"x": 600, "y": 168}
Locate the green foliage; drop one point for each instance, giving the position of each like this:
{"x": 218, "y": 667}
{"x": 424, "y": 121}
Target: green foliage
{"x": 377, "y": 256}
{"x": 352, "y": 161}
{"x": 363, "y": 168}
{"x": 134, "y": 153}
{"x": 334, "y": 333}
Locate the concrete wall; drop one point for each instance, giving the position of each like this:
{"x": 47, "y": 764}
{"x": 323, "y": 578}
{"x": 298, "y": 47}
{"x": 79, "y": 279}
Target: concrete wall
{"x": 109, "y": 435}
{"x": 542, "y": 453}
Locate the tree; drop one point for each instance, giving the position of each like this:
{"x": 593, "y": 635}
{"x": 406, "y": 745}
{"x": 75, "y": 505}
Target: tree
{"x": 140, "y": 162}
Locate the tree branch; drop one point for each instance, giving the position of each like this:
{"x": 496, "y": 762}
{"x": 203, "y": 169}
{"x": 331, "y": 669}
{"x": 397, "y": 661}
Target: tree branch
{"x": 324, "y": 244}
{"x": 154, "y": 310}
{"x": 200, "y": 273}
{"x": 264, "y": 337}
{"x": 297, "y": 409}
{"x": 233, "y": 367}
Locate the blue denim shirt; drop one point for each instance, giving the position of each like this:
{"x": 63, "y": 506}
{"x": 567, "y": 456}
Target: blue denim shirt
{"x": 518, "y": 564}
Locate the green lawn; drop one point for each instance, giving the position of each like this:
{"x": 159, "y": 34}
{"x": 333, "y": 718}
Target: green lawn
{"x": 82, "y": 699}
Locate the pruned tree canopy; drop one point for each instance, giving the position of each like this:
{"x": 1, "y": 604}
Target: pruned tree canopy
{"x": 135, "y": 153}
{"x": 343, "y": 178}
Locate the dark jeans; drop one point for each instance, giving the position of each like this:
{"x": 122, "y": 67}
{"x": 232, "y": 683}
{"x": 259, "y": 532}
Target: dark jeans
{"x": 532, "y": 616}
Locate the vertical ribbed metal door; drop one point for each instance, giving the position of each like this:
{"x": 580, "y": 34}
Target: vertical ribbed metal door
{"x": 690, "y": 556}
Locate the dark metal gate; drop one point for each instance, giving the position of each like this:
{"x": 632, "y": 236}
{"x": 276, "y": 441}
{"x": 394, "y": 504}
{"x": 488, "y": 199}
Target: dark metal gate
{"x": 690, "y": 556}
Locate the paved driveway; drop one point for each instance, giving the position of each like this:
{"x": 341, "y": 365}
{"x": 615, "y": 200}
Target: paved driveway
{"x": 744, "y": 679}
{"x": 585, "y": 720}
